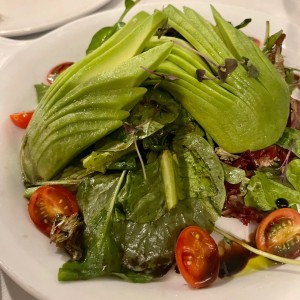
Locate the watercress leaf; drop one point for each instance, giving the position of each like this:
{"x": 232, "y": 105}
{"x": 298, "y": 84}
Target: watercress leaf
{"x": 262, "y": 193}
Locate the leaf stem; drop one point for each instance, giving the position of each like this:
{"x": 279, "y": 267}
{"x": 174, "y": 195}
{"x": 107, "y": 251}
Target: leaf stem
{"x": 273, "y": 257}
{"x": 207, "y": 59}
{"x": 140, "y": 158}
{"x": 128, "y": 6}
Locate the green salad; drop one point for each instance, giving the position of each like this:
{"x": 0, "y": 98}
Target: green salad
{"x": 167, "y": 124}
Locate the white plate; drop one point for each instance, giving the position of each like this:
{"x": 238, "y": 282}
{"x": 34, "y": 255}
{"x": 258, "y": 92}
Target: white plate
{"x": 23, "y": 17}
{"x": 25, "y": 254}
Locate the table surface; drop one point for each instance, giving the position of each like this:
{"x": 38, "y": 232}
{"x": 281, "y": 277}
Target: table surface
{"x": 281, "y": 8}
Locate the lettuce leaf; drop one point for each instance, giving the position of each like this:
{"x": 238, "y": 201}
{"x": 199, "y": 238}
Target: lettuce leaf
{"x": 262, "y": 192}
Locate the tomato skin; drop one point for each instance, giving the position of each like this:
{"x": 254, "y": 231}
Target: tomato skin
{"x": 279, "y": 233}
{"x": 48, "y": 201}
{"x": 54, "y": 72}
{"x": 197, "y": 257}
{"x": 21, "y": 119}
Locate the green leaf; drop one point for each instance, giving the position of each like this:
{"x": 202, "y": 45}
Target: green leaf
{"x": 105, "y": 33}
{"x": 290, "y": 140}
{"x": 41, "y": 90}
{"x": 150, "y": 115}
{"x": 96, "y": 197}
{"x": 149, "y": 248}
{"x": 156, "y": 110}
{"x": 233, "y": 175}
{"x": 143, "y": 200}
{"x": 293, "y": 173}
{"x": 102, "y": 36}
{"x": 101, "y": 160}
{"x": 262, "y": 193}
{"x": 200, "y": 171}
{"x": 270, "y": 40}
{"x": 243, "y": 23}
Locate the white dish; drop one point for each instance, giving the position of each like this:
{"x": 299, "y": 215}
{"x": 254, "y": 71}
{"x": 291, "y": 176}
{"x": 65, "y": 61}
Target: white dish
{"x": 30, "y": 16}
{"x": 25, "y": 254}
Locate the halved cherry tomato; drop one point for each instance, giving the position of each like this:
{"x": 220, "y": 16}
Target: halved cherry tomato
{"x": 21, "y": 119}
{"x": 48, "y": 201}
{"x": 279, "y": 233}
{"x": 256, "y": 41}
{"x": 54, "y": 72}
{"x": 197, "y": 257}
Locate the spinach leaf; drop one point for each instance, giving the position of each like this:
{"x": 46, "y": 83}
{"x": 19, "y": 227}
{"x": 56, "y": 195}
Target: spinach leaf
{"x": 143, "y": 200}
{"x": 149, "y": 248}
{"x": 200, "y": 171}
{"x": 96, "y": 197}
{"x": 117, "y": 246}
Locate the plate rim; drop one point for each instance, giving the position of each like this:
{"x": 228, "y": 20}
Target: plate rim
{"x": 29, "y": 30}
{"x": 6, "y": 269}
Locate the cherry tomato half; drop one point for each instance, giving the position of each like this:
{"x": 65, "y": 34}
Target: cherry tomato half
{"x": 279, "y": 233}
{"x": 54, "y": 72}
{"x": 21, "y": 119}
{"x": 197, "y": 257}
{"x": 48, "y": 201}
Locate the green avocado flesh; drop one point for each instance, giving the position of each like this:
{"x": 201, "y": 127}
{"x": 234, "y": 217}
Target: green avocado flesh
{"x": 94, "y": 96}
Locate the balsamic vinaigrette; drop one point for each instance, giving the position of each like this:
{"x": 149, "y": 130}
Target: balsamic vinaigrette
{"x": 233, "y": 258}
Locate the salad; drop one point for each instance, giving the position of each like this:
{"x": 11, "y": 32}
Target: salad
{"x": 170, "y": 122}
